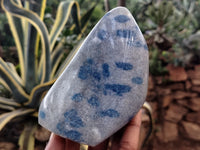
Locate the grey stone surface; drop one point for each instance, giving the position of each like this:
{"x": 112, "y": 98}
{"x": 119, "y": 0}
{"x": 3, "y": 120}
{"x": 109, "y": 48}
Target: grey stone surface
{"x": 104, "y": 85}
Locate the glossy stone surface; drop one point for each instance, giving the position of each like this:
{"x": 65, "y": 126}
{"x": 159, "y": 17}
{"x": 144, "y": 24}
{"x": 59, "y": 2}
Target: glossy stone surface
{"x": 104, "y": 85}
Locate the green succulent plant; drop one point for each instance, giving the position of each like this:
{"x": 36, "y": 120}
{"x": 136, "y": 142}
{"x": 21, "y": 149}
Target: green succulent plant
{"x": 41, "y": 58}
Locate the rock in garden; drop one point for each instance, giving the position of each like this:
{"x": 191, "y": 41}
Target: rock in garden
{"x": 190, "y": 130}
{"x": 104, "y": 85}
{"x": 168, "y": 133}
{"x": 175, "y": 113}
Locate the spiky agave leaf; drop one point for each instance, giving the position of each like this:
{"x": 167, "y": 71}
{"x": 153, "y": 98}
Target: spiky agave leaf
{"x": 27, "y": 139}
{"x": 16, "y": 26}
{"x": 17, "y": 11}
{"x": 31, "y": 44}
{"x": 9, "y": 102}
{"x": 63, "y": 13}
{"x": 37, "y": 94}
{"x": 7, "y": 117}
{"x": 67, "y": 60}
{"x": 11, "y": 80}
{"x": 64, "y": 10}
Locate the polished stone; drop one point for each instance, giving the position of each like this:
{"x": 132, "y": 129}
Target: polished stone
{"x": 104, "y": 85}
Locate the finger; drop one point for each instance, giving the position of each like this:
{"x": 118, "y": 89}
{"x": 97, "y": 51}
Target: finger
{"x": 55, "y": 142}
{"x": 101, "y": 146}
{"x": 130, "y": 139}
{"x": 116, "y": 138}
{"x": 71, "y": 145}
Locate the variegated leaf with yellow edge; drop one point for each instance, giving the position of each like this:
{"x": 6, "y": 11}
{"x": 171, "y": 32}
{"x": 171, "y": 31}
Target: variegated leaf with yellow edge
{"x": 64, "y": 10}
{"x": 63, "y": 13}
{"x": 56, "y": 57}
{"x": 27, "y": 139}
{"x": 37, "y": 94}
{"x": 67, "y": 60}
{"x": 32, "y": 44}
{"x": 9, "y": 102}
{"x": 18, "y": 92}
{"x": 7, "y": 117}
{"x": 10, "y": 7}
{"x": 8, "y": 67}
{"x": 16, "y": 26}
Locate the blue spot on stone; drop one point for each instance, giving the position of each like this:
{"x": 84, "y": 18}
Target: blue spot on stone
{"x": 98, "y": 86}
{"x": 96, "y": 75}
{"x": 135, "y": 43}
{"x": 71, "y": 113}
{"x": 145, "y": 47}
{"x": 76, "y": 122}
{"x": 73, "y": 120}
{"x": 83, "y": 74}
{"x": 109, "y": 113}
{"x": 73, "y": 135}
{"x": 137, "y": 80}
{"x": 117, "y": 88}
{"x": 138, "y": 44}
{"x": 86, "y": 69}
{"x": 124, "y": 66}
{"x": 102, "y": 34}
{"x": 89, "y": 61}
{"x": 121, "y": 18}
{"x": 126, "y": 33}
{"x": 42, "y": 114}
{"x": 105, "y": 68}
{"x": 94, "y": 101}
{"x": 59, "y": 126}
{"x": 77, "y": 97}
{"x": 130, "y": 43}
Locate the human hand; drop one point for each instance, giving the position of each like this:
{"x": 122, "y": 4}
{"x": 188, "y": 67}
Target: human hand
{"x": 125, "y": 139}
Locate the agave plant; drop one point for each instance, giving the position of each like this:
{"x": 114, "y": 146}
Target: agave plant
{"x": 40, "y": 58}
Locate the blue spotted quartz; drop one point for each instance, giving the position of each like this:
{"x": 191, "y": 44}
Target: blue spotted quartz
{"x": 104, "y": 85}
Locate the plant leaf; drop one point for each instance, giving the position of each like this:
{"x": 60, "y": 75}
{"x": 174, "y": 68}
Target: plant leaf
{"x": 5, "y": 85}
{"x": 42, "y": 12}
{"x": 83, "y": 147}
{"x": 75, "y": 12}
{"x": 37, "y": 93}
{"x": 10, "y": 7}
{"x": 27, "y": 139}
{"x": 12, "y": 72}
{"x": 68, "y": 59}
{"x": 9, "y": 102}
{"x": 62, "y": 17}
{"x": 148, "y": 108}
{"x": 56, "y": 58}
{"x": 6, "y": 117}
{"x": 32, "y": 45}
{"x": 17, "y": 32}
{"x": 6, "y": 107}
{"x": 85, "y": 19}
{"x": 18, "y": 92}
